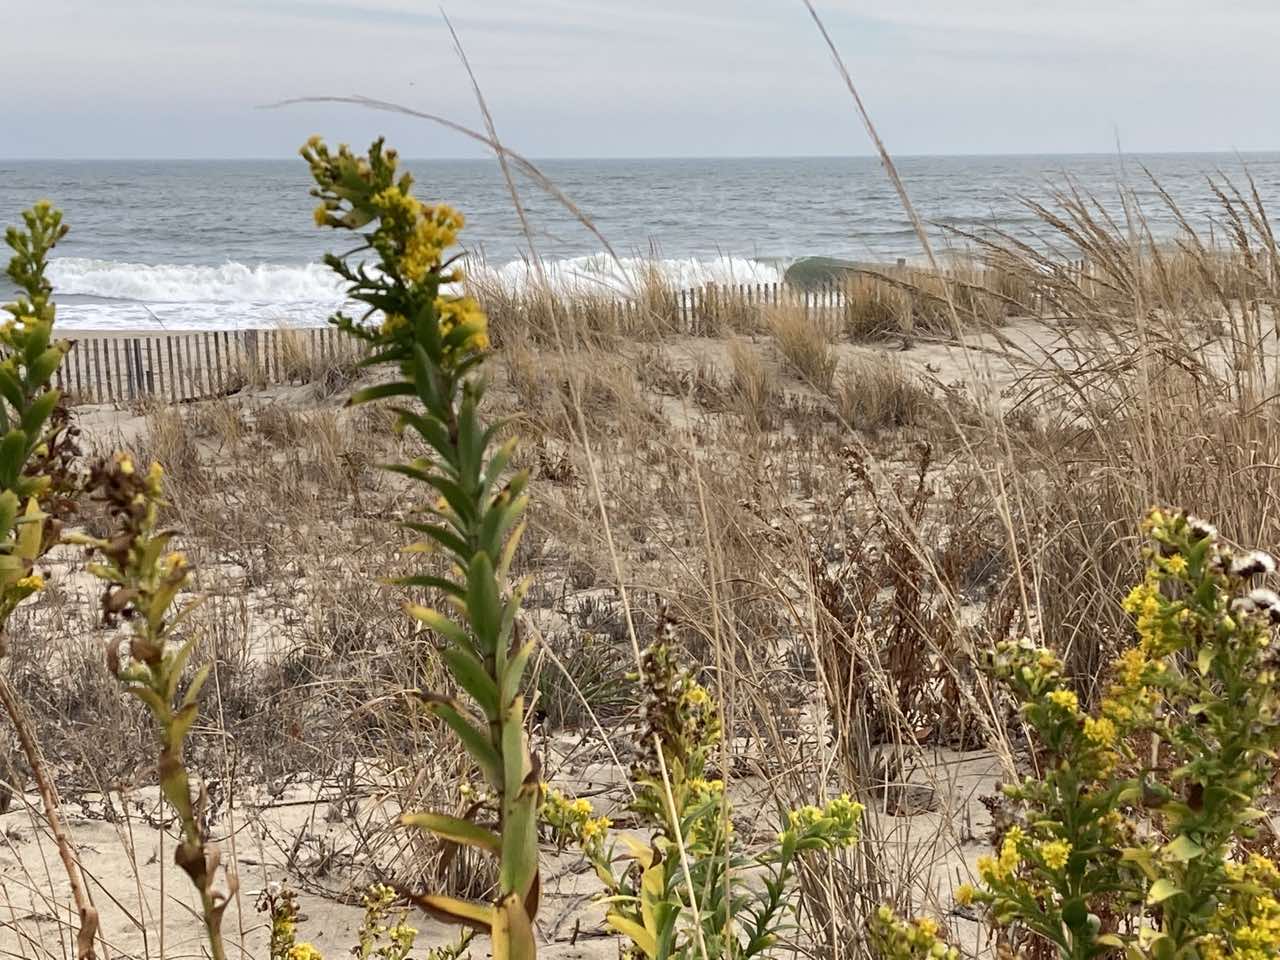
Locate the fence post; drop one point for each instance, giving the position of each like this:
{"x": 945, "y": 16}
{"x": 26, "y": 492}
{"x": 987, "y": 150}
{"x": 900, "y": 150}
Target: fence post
{"x": 128, "y": 368}
{"x": 77, "y": 355}
{"x": 251, "y": 353}
{"x": 97, "y": 372}
{"x": 112, "y": 361}
{"x": 217, "y": 360}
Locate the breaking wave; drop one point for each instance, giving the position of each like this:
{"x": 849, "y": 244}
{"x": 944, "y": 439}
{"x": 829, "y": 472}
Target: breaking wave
{"x": 108, "y": 294}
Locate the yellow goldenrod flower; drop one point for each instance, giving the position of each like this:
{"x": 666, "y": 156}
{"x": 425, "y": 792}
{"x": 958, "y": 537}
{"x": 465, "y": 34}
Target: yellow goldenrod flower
{"x": 393, "y": 323}
{"x": 33, "y": 582}
{"x": 964, "y": 894}
{"x": 1130, "y": 666}
{"x": 1064, "y": 700}
{"x": 304, "y": 951}
{"x": 1100, "y": 731}
{"x": 1055, "y": 853}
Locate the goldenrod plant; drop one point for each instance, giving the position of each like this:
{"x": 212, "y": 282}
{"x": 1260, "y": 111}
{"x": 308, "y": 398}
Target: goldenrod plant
{"x": 471, "y": 515}
{"x": 37, "y": 487}
{"x": 1133, "y": 835}
{"x": 384, "y": 933}
{"x": 144, "y": 578}
{"x": 32, "y": 357}
{"x": 690, "y": 891}
{"x": 895, "y": 939}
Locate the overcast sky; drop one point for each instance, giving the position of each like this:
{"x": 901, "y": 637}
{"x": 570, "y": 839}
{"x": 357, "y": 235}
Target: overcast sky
{"x": 631, "y": 78}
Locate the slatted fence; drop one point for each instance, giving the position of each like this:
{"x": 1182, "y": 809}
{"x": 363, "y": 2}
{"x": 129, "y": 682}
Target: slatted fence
{"x": 176, "y": 367}
{"x": 106, "y": 368}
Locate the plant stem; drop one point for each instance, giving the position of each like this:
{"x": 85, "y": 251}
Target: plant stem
{"x": 52, "y": 807}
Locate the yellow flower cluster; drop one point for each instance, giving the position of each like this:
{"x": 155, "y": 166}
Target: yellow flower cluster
{"x": 999, "y": 869}
{"x": 1247, "y": 926}
{"x": 574, "y": 820}
{"x": 703, "y": 786}
{"x": 1100, "y": 730}
{"x": 457, "y": 312}
{"x": 1064, "y": 700}
{"x": 304, "y": 951}
{"x": 1146, "y": 606}
{"x": 434, "y": 232}
{"x": 898, "y": 939}
{"x": 842, "y": 813}
{"x": 1055, "y": 853}
{"x": 1129, "y": 699}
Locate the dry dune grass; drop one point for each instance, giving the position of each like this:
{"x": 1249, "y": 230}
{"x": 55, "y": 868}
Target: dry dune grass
{"x": 836, "y": 553}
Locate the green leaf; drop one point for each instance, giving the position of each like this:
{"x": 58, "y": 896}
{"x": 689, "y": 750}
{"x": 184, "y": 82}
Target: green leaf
{"x": 183, "y": 720}
{"x": 520, "y": 842}
{"x": 1162, "y": 890}
{"x": 469, "y": 444}
{"x": 41, "y": 368}
{"x": 461, "y": 502}
{"x": 173, "y": 670}
{"x": 1075, "y": 914}
{"x": 477, "y": 744}
{"x": 509, "y": 551}
{"x": 512, "y": 931}
{"x": 509, "y": 611}
{"x": 412, "y": 471}
{"x": 495, "y": 468}
{"x": 483, "y": 605}
{"x": 432, "y": 431}
{"x": 33, "y": 419}
{"x": 10, "y": 389}
{"x": 515, "y": 754}
{"x": 440, "y": 623}
{"x": 498, "y": 520}
{"x": 197, "y": 682}
{"x": 431, "y": 583}
{"x": 37, "y": 342}
{"x": 441, "y": 535}
{"x": 150, "y": 698}
{"x": 638, "y": 935}
{"x": 381, "y": 391}
{"x": 454, "y": 828}
{"x": 453, "y": 910}
{"x": 1183, "y": 849}
{"x": 514, "y": 672}
{"x": 473, "y": 678}
{"x": 9, "y": 505}
{"x": 13, "y": 456}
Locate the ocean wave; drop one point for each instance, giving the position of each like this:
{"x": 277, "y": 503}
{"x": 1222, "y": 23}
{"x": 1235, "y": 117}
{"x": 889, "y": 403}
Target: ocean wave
{"x": 601, "y": 274}
{"x": 181, "y": 283}
{"x": 138, "y": 296}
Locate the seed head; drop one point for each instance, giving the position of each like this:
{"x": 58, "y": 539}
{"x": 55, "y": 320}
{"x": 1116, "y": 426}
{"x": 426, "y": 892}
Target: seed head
{"x": 1252, "y": 564}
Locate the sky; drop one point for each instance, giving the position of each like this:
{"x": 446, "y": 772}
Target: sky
{"x": 640, "y": 78}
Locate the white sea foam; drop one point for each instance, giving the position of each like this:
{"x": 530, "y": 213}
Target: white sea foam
{"x": 136, "y": 296}
{"x": 601, "y": 274}
{"x": 173, "y": 283}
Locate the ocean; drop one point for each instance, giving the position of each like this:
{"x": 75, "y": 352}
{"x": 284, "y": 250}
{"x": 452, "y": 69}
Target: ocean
{"x": 159, "y": 244}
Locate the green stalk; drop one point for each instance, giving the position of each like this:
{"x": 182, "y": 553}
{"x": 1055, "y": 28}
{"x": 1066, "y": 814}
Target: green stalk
{"x": 470, "y": 515}
{"x": 27, "y": 402}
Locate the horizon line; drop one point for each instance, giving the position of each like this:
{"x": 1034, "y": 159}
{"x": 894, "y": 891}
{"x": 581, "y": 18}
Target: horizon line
{"x": 672, "y": 157}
